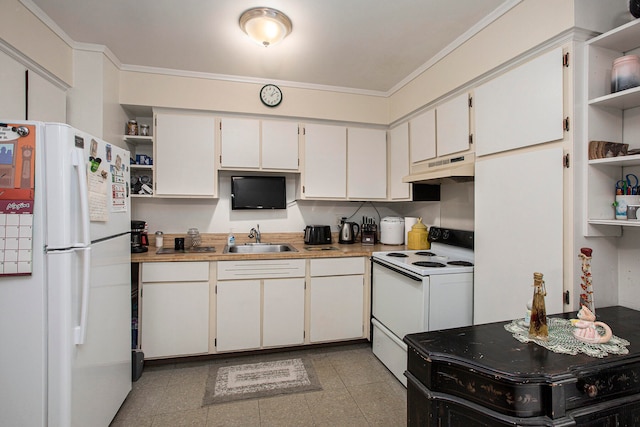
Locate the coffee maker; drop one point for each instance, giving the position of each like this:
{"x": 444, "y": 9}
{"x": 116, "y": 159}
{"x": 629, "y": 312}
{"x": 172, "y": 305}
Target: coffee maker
{"x": 139, "y": 237}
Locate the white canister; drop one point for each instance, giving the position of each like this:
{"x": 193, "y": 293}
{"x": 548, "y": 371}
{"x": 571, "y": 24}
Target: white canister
{"x": 392, "y": 230}
{"x": 409, "y": 222}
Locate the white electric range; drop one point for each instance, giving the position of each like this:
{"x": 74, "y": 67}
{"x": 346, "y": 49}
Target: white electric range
{"x": 420, "y": 291}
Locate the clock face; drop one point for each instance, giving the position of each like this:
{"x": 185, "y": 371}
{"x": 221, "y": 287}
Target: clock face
{"x": 271, "y": 95}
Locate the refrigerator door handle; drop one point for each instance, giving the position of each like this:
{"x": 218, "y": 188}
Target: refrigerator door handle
{"x": 80, "y": 331}
{"x": 81, "y": 171}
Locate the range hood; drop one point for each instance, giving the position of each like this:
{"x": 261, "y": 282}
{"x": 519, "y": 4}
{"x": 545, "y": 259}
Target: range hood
{"x": 456, "y": 168}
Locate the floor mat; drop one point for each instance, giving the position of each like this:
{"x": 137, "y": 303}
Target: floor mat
{"x": 230, "y": 382}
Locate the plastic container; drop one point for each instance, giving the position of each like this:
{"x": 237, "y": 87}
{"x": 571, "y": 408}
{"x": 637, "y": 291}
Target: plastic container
{"x": 159, "y": 239}
{"x": 625, "y": 73}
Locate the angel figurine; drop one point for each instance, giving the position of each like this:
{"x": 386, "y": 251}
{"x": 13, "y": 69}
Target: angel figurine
{"x": 585, "y": 328}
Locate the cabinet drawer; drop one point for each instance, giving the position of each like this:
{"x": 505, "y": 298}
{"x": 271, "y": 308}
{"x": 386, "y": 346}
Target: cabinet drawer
{"x": 604, "y": 384}
{"x": 261, "y": 269}
{"x": 175, "y": 271}
{"x": 337, "y": 266}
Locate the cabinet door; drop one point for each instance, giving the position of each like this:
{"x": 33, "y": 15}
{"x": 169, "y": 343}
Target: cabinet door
{"x": 240, "y": 142}
{"x": 185, "y": 155}
{"x": 325, "y": 161}
{"x": 452, "y": 130}
{"x": 175, "y": 318}
{"x": 422, "y": 136}
{"x": 366, "y": 164}
{"x": 399, "y": 162}
{"x": 522, "y": 107}
{"x": 47, "y": 102}
{"x": 283, "y": 312}
{"x": 279, "y": 145}
{"x": 12, "y": 87}
{"x": 238, "y": 315}
{"x": 532, "y": 214}
{"x": 336, "y": 308}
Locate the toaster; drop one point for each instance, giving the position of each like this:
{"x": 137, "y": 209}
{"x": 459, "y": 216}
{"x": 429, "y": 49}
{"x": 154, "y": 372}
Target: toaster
{"x": 317, "y": 235}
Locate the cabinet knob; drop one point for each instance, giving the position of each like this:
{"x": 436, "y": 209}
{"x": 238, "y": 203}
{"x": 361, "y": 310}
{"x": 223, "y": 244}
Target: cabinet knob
{"x": 591, "y": 390}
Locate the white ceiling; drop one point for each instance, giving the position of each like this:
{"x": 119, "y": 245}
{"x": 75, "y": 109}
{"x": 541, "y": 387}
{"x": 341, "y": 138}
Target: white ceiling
{"x": 367, "y": 46}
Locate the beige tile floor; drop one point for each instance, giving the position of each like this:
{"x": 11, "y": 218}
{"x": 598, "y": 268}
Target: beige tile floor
{"x": 357, "y": 390}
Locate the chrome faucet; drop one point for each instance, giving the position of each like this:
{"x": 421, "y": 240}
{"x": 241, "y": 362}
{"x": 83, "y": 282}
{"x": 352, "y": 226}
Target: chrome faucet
{"x": 255, "y": 232}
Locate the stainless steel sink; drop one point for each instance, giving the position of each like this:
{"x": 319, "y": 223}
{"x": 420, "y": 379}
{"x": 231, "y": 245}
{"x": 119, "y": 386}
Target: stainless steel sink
{"x": 259, "y": 248}
{"x": 196, "y": 250}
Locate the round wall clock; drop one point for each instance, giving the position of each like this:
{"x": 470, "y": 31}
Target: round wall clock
{"x": 271, "y": 95}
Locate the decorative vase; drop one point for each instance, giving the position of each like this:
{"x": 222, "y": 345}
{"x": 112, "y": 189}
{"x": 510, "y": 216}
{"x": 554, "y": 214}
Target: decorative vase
{"x": 538, "y": 323}
{"x": 634, "y": 8}
{"x": 586, "y": 296}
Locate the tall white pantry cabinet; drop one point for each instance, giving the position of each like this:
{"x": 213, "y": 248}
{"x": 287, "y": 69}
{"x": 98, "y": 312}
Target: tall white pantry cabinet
{"x": 538, "y": 183}
{"x": 526, "y": 164}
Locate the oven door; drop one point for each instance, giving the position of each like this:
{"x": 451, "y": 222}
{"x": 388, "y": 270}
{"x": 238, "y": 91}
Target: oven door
{"x": 399, "y": 299}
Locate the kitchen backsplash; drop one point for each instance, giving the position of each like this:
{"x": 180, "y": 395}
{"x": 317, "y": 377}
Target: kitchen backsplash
{"x": 216, "y": 216}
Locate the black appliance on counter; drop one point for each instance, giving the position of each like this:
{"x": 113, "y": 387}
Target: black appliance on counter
{"x": 139, "y": 237}
{"x": 317, "y": 235}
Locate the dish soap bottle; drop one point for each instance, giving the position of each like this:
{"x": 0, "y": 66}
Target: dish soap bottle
{"x": 418, "y": 236}
{"x": 231, "y": 240}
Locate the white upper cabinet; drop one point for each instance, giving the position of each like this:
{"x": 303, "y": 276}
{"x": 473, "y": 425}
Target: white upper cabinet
{"x": 184, "y": 158}
{"x": 258, "y": 144}
{"x": 422, "y": 136}
{"x": 46, "y": 101}
{"x": 12, "y": 87}
{"x": 240, "y": 143}
{"x": 452, "y": 129}
{"x": 325, "y": 162}
{"x": 280, "y": 145}
{"x": 366, "y": 163}
{"x": 399, "y": 162}
{"x": 522, "y": 107}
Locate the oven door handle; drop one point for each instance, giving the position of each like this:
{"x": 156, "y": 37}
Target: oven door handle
{"x": 397, "y": 270}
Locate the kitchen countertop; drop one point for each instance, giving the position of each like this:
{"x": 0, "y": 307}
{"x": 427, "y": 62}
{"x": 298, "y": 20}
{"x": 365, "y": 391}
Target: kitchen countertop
{"x": 294, "y": 239}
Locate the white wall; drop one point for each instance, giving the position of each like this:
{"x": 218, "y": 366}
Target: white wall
{"x": 148, "y": 89}
{"x": 628, "y": 268}
{"x": 84, "y": 109}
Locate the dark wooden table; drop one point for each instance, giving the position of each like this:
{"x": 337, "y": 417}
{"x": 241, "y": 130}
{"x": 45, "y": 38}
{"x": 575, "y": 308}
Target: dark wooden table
{"x": 482, "y": 376}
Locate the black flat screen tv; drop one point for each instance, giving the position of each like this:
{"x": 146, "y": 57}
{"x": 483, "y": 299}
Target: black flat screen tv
{"x": 258, "y": 192}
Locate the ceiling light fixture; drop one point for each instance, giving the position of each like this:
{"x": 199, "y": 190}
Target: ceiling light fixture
{"x": 265, "y": 26}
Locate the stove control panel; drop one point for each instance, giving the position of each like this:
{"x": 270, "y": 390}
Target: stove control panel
{"x": 461, "y": 238}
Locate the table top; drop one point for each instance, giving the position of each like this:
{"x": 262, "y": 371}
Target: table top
{"x": 490, "y": 348}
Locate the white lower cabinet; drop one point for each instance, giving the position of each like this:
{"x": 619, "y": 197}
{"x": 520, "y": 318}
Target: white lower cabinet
{"x": 337, "y": 299}
{"x": 175, "y": 309}
{"x": 238, "y": 315}
{"x": 264, "y": 310}
{"x": 243, "y": 314}
{"x": 283, "y": 312}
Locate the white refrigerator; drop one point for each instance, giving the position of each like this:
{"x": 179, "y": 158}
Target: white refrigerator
{"x": 65, "y": 274}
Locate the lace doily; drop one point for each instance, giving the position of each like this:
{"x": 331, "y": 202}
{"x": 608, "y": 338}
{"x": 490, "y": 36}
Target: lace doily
{"x": 561, "y": 339}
